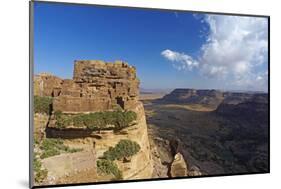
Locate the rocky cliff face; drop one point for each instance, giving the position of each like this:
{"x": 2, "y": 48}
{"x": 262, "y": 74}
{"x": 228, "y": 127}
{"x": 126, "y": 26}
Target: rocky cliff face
{"x": 96, "y": 86}
{"x": 140, "y": 166}
{"x": 95, "y": 144}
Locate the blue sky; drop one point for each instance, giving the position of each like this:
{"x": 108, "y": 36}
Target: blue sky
{"x": 166, "y": 47}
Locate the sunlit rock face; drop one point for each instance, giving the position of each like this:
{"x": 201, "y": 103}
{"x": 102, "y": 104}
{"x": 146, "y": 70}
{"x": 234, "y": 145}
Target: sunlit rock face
{"x": 96, "y": 86}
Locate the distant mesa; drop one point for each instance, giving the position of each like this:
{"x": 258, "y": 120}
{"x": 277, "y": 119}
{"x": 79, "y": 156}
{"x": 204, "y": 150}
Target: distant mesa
{"x": 193, "y": 96}
{"x": 212, "y": 97}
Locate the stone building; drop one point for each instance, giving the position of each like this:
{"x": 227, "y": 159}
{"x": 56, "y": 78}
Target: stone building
{"x": 96, "y": 86}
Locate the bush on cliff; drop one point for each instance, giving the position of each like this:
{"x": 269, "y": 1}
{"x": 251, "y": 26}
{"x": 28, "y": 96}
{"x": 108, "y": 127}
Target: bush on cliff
{"x": 62, "y": 120}
{"x": 116, "y": 120}
{"x": 109, "y": 167}
{"x": 124, "y": 148}
{"x": 39, "y": 172}
{"x": 42, "y": 104}
{"x": 52, "y": 147}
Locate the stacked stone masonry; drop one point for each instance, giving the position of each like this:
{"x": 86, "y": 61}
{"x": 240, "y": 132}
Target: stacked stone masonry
{"x": 96, "y": 86}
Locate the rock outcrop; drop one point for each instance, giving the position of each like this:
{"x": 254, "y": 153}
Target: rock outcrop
{"x": 68, "y": 168}
{"x": 178, "y": 166}
{"x": 194, "y": 171}
{"x": 45, "y": 84}
{"x": 140, "y": 165}
{"x": 96, "y": 86}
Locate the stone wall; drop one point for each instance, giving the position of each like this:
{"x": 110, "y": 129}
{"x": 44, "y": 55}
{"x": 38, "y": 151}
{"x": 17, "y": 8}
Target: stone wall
{"x": 96, "y": 86}
{"x": 45, "y": 84}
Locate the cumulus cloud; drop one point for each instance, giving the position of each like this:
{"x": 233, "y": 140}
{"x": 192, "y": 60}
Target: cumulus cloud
{"x": 235, "y": 48}
{"x": 180, "y": 61}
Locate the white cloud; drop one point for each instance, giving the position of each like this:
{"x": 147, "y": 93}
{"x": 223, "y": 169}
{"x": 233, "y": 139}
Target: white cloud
{"x": 235, "y": 48}
{"x": 180, "y": 61}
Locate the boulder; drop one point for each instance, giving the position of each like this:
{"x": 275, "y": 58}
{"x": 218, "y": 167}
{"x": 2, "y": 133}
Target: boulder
{"x": 194, "y": 171}
{"x": 178, "y": 166}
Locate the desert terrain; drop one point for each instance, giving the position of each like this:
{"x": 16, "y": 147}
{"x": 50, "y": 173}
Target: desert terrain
{"x": 221, "y": 133}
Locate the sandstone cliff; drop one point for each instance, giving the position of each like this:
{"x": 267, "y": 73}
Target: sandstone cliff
{"x": 140, "y": 166}
{"x": 96, "y": 86}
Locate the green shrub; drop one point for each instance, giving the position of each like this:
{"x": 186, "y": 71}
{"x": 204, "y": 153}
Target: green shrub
{"x": 109, "y": 167}
{"x": 52, "y": 147}
{"x": 123, "y": 119}
{"x": 98, "y": 120}
{"x": 39, "y": 173}
{"x": 124, "y": 148}
{"x": 62, "y": 120}
{"x": 58, "y": 113}
{"x": 42, "y": 104}
{"x": 36, "y": 164}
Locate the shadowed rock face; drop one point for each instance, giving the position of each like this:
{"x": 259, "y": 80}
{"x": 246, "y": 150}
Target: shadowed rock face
{"x": 247, "y": 127}
{"x": 244, "y": 106}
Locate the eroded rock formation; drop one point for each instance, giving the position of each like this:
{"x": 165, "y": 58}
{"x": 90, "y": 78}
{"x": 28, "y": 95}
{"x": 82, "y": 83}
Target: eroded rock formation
{"x": 178, "y": 166}
{"x": 96, "y": 86}
{"x": 45, "y": 84}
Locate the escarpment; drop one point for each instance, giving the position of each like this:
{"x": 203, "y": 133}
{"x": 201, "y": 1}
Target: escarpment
{"x": 193, "y": 96}
{"x": 91, "y": 114}
{"x": 216, "y": 132}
